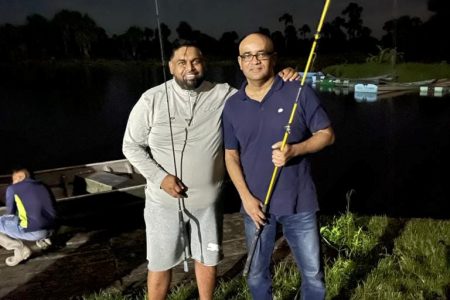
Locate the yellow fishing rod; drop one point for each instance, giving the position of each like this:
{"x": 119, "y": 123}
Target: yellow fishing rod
{"x": 286, "y": 135}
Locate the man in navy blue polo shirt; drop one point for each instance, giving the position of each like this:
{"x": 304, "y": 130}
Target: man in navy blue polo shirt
{"x": 254, "y": 121}
{"x": 30, "y": 216}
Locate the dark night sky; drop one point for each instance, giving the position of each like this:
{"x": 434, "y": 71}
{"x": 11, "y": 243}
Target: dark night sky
{"x": 212, "y": 17}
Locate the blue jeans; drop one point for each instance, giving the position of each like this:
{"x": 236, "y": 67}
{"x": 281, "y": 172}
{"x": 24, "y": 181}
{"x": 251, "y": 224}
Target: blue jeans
{"x": 9, "y": 225}
{"x": 301, "y": 233}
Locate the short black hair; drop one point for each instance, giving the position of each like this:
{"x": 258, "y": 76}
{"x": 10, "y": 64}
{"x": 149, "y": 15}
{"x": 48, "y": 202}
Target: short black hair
{"x": 23, "y": 169}
{"x": 183, "y": 43}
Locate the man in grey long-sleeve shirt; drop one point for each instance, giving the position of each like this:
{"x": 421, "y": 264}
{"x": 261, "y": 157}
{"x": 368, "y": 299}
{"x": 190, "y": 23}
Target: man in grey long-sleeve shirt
{"x": 195, "y": 109}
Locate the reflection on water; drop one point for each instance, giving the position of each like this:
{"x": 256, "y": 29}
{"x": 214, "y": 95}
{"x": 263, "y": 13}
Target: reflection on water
{"x": 365, "y": 97}
{"x": 392, "y": 151}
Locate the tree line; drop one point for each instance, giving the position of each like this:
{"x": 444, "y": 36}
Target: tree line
{"x": 73, "y": 35}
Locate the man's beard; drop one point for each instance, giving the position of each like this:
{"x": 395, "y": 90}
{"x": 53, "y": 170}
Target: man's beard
{"x": 190, "y": 84}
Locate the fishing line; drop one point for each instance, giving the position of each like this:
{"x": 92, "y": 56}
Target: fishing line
{"x": 180, "y": 200}
{"x": 251, "y": 251}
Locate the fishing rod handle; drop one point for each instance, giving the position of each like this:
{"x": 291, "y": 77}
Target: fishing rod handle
{"x": 183, "y": 238}
{"x": 251, "y": 251}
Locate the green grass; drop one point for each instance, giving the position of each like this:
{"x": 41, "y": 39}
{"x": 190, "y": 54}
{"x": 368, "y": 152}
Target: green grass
{"x": 183, "y": 292}
{"x": 235, "y": 289}
{"x": 404, "y": 72}
{"x": 419, "y": 267}
{"x": 364, "y": 258}
{"x": 110, "y": 295}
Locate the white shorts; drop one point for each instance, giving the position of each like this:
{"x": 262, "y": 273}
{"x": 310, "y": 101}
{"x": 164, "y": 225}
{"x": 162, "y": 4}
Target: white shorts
{"x": 165, "y": 236}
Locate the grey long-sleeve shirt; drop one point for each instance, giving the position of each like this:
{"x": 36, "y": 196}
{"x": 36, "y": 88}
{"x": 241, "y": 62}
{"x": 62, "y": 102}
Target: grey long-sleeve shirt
{"x": 197, "y": 135}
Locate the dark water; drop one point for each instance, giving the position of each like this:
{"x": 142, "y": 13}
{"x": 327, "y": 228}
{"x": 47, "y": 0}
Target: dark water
{"x": 54, "y": 116}
{"x": 392, "y": 152}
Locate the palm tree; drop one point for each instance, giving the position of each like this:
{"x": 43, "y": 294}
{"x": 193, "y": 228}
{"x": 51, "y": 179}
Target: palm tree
{"x": 290, "y": 33}
{"x": 286, "y": 18}
{"x": 354, "y": 21}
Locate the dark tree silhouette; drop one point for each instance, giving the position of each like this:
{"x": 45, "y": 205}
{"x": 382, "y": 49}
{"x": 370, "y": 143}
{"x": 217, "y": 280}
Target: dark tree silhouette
{"x": 436, "y": 28}
{"x": 304, "y": 43}
{"x": 264, "y": 30}
{"x": 354, "y": 22}
{"x": 364, "y": 43}
{"x": 39, "y": 37}
{"x": 279, "y": 42}
{"x": 185, "y": 32}
{"x": 165, "y": 33}
{"x": 287, "y": 19}
{"x": 131, "y": 41}
{"x": 334, "y": 38}
{"x": 338, "y": 24}
{"x": 304, "y": 30}
{"x": 71, "y": 34}
{"x": 12, "y": 46}
{"x": 405, "y": 35}
{"x": 228, "y": 44}
{"x": 148, "y": 34}
{"x": 359, "y": 36}
{"x": 148, "y": 45}
{"x": 290, "y": 34}
{"x": 207, "y": 43}
{"x": 76, "y": 33}
{"x": 439, "y": 6}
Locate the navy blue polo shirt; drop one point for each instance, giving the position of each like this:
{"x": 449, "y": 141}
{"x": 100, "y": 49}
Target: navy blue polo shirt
{"x": 252, "y": 127}
{"x": 32, "y": 202}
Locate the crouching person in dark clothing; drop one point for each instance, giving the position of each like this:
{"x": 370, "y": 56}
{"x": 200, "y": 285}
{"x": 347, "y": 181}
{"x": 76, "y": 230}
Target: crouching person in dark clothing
{"x": 30, "y": 216}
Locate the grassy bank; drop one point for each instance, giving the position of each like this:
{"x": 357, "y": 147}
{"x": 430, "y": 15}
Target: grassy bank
{"x": 365, "y": 258}
{"x": 405, "y": 72}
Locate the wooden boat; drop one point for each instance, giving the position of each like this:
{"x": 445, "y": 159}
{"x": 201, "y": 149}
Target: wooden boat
{"x": 330, "y": 80}
{"x": 82, "y": 181}
{"x": 405, "y": 86}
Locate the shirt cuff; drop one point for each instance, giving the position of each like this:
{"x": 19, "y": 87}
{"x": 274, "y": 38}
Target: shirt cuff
{"x": 159, "y": 177}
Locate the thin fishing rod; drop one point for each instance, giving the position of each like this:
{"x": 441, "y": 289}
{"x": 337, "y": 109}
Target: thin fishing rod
{"x": 180, "y": 210}
{"x": 251, "y": 251}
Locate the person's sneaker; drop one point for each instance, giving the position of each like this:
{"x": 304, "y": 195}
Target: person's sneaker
{"x": 44, "y": 243}
{"x": 19, "y": 255}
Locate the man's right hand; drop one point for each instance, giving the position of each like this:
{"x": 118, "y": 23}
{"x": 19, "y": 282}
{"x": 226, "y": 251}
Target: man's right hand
{"x": 173, "y": 186}
{"x": 253, "y": 207}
